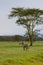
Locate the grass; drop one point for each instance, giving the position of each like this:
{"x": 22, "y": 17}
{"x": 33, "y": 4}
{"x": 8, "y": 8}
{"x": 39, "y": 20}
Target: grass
{"x": 11, "y": 53}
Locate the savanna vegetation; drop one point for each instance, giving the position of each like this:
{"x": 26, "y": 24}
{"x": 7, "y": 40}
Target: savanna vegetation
{"x": 11, "y": 53}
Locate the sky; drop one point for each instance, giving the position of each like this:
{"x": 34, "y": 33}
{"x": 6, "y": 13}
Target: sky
{"x": 8, "y": 26}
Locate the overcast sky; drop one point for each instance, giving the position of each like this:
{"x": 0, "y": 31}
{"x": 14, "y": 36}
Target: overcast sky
{"x": 8, "y": 26}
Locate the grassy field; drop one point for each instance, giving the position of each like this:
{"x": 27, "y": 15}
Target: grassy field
{"x": 11, "y": 53}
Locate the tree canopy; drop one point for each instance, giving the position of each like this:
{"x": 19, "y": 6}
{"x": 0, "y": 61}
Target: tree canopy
{"x": 29, "y": 18}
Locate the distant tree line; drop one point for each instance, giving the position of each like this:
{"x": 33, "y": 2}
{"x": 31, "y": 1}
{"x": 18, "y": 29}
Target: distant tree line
{"x": 37, "y": 37}
{"x": 11, "y": 38}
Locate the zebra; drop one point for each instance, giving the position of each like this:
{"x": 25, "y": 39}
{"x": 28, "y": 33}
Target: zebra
{"x": 24, "y": 45}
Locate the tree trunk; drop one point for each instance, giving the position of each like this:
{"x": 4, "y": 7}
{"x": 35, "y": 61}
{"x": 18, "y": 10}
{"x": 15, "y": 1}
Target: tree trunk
{"x": 31, "y": 36}
{"x": 31, "y": 40}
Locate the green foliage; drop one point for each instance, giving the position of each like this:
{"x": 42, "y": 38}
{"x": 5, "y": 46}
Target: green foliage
{"x": 29, "y": 18}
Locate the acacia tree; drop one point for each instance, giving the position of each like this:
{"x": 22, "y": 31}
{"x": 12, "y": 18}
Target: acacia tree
{"x": 29, "y": 18}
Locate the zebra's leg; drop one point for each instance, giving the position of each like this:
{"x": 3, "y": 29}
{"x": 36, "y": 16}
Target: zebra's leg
{"x": 26, "y": 48}
{"x": 23, "y": 48}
